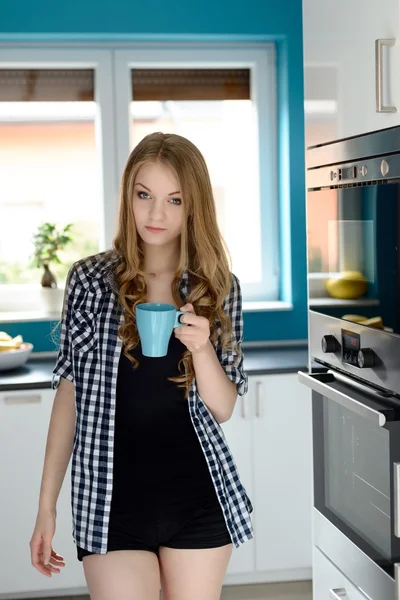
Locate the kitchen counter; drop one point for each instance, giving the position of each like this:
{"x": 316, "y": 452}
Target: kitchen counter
{"x": 37, "y": 372}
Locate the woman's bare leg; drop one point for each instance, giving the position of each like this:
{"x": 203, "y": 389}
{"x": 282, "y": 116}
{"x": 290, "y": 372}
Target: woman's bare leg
{"x": 123, "y": 575}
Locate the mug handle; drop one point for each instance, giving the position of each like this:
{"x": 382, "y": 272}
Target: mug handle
{"x": 177, "y": 315}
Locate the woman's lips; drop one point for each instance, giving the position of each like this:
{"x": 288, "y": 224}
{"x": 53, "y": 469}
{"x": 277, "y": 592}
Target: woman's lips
{"x": 154, "y": 229}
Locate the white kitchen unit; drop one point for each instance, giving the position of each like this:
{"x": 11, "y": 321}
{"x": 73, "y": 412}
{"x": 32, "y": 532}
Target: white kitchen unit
{"x": 330, "y": 583}
{"x": 270, "y": 438}
{"x": 239, "y": 435}
{"x": 340, "y": 73}
{"x": 24, "y": 421}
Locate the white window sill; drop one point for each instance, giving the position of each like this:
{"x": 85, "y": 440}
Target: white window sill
{"x": 36, "y": 315}
{"x": 332, "y": 302}
{"x": 30, "y": 302}
{"x": 270, "y": 306}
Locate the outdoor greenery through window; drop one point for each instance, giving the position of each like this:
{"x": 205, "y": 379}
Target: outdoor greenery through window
{"x": 48, "y": 167}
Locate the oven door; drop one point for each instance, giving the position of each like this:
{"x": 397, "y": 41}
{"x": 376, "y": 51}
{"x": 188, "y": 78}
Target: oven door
{"x": 356, "y": 448}
{"x": 353, "y": 252}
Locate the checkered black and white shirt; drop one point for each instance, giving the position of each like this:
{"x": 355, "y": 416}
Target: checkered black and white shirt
{"x": 89, "y": 356}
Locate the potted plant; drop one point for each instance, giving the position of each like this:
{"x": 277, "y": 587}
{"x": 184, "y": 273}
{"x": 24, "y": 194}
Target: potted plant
{"x": 48, "y": 241}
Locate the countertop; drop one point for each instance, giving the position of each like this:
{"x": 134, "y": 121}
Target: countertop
{"x": 37, "y": 372}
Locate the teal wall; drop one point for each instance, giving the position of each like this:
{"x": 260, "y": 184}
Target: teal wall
{"x": 209, "y": 20}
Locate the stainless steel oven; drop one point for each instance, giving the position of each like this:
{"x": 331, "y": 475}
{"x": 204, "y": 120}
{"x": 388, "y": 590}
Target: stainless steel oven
{"x": 353, "y": 245}
{"x": 356, "y": 445}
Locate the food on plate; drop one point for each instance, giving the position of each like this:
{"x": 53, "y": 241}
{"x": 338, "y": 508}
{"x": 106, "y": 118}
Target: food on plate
{"x": 375, "y": 322}
{"x": 354, "y": 318}
{"x": 9, "y": 343}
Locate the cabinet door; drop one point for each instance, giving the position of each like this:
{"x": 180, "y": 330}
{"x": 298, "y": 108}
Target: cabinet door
{"x": 282, "y": 474}
{"x": 329, "y": 582}
{"x": 339, "y": 67}
{"x": 238, "y": 433}
{"x": 24, "y": 421}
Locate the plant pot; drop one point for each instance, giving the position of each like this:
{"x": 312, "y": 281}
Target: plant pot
{"x": 48, "y": 278}
{"x": 52, "y": 300}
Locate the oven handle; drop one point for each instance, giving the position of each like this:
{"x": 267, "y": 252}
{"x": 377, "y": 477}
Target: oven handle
{"x": 343, "y": 399}
{"x": 337, "y": 594}
{"x": 397, "y": 581}
{"x": 396, "y": 499}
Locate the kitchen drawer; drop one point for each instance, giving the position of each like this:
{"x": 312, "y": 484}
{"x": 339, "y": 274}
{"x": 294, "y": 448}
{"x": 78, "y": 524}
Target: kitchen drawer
{"x": 329, "y": 583}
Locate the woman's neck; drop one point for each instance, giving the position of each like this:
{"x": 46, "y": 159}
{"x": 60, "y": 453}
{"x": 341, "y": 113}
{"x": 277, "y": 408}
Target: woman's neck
{"x": 160, "y": 259}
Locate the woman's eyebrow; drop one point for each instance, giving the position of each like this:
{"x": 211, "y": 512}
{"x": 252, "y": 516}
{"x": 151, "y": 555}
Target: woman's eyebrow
{"x": 149, "y": 190}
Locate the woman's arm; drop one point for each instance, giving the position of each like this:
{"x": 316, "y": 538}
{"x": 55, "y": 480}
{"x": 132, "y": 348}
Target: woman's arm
{"x": 219, "y": 372}
{"x": 216, "y": 390}
{"x": 59, "y": 445}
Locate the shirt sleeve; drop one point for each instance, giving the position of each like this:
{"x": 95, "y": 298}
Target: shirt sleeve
{"x": 63, "y": 367}
{"x": 232, "y": 360}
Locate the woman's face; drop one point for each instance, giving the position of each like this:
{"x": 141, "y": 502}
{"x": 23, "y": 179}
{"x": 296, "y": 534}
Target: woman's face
{"x": 157, "y": 203}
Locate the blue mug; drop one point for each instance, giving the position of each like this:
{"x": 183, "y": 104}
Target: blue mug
{"x": 155, "y": 323}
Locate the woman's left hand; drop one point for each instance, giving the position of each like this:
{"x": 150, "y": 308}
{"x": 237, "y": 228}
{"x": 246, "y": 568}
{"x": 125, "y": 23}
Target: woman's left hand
{"x": 196, "y": 334}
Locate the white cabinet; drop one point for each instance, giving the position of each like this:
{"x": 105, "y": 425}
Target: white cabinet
{"x": 283, "y": 479}
{"x": 339, "y": 66}
{"x": 24, "y": 421}
{"x": 239, "y": 435}
{"x": 270, "y": 435}
{"x": 329, "y": 582}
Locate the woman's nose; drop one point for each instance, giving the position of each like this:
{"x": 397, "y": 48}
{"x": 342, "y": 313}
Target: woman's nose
{"x": 157, "y": 210}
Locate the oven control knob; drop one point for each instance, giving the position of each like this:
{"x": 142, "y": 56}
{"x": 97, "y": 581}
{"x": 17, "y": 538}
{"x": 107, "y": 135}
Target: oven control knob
{"x": 366, "y": 358}
{"x": 384, "y": 168}
{"x": 329, "y": 344}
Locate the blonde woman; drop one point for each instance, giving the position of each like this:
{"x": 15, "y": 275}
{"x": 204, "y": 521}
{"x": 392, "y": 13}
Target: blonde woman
{"x": 156, "y": 497}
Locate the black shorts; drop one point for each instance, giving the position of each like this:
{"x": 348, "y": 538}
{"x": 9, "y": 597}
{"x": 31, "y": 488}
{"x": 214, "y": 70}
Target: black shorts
{"x": 200, "y": 527}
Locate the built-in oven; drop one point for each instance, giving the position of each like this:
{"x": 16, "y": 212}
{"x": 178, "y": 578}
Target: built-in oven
{"x": 356, "y": 451}
{"x": 353, "y": 249}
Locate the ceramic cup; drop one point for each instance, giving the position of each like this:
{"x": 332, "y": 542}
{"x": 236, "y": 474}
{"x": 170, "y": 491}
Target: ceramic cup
{"x": 155, "y": 323}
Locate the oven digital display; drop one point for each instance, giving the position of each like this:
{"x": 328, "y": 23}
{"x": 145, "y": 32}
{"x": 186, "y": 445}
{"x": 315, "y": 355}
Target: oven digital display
{"x": 347, "y": 173}
{"x": 350, "y": 346}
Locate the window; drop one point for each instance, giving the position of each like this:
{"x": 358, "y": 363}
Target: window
{"x": 57, "y": 108}
{"x": 224, "y": 102}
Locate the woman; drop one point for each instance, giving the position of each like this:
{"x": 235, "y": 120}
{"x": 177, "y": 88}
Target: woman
{"x": 156, "y": 497}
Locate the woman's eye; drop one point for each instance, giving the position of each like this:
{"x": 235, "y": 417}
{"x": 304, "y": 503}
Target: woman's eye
{"x": 143, "y": 195}
{"x": 176, "y": 201}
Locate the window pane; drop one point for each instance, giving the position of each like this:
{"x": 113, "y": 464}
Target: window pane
{"x": 49, "y": 170}
{"x": 225, "y": 131}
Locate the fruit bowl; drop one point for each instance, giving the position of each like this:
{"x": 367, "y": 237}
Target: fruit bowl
{"x": 12, "y": 359}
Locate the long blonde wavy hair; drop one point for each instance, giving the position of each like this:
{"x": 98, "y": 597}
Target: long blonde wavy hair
{"x": 203, "y": 252}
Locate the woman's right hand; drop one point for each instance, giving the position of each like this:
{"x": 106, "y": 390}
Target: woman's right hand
{"x": 43, "y": 557}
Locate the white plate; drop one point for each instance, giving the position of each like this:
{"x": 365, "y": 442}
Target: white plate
{"x": 12, "y": 359}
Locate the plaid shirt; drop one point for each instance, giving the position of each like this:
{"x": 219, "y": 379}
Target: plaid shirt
{"x": 89, "y": 355}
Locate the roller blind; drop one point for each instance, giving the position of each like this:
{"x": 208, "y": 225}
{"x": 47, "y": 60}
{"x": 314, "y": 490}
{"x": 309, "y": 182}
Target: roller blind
{"x": 46, "y": 85}
{"x": 190, "y": 84}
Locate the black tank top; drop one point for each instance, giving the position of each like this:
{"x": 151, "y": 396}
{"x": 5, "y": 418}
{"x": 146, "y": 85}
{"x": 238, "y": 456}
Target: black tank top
{"x": 158, "y": 459}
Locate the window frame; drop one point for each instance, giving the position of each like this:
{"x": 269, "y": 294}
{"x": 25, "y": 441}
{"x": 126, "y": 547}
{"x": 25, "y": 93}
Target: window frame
{"x": 112, "y": 63}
